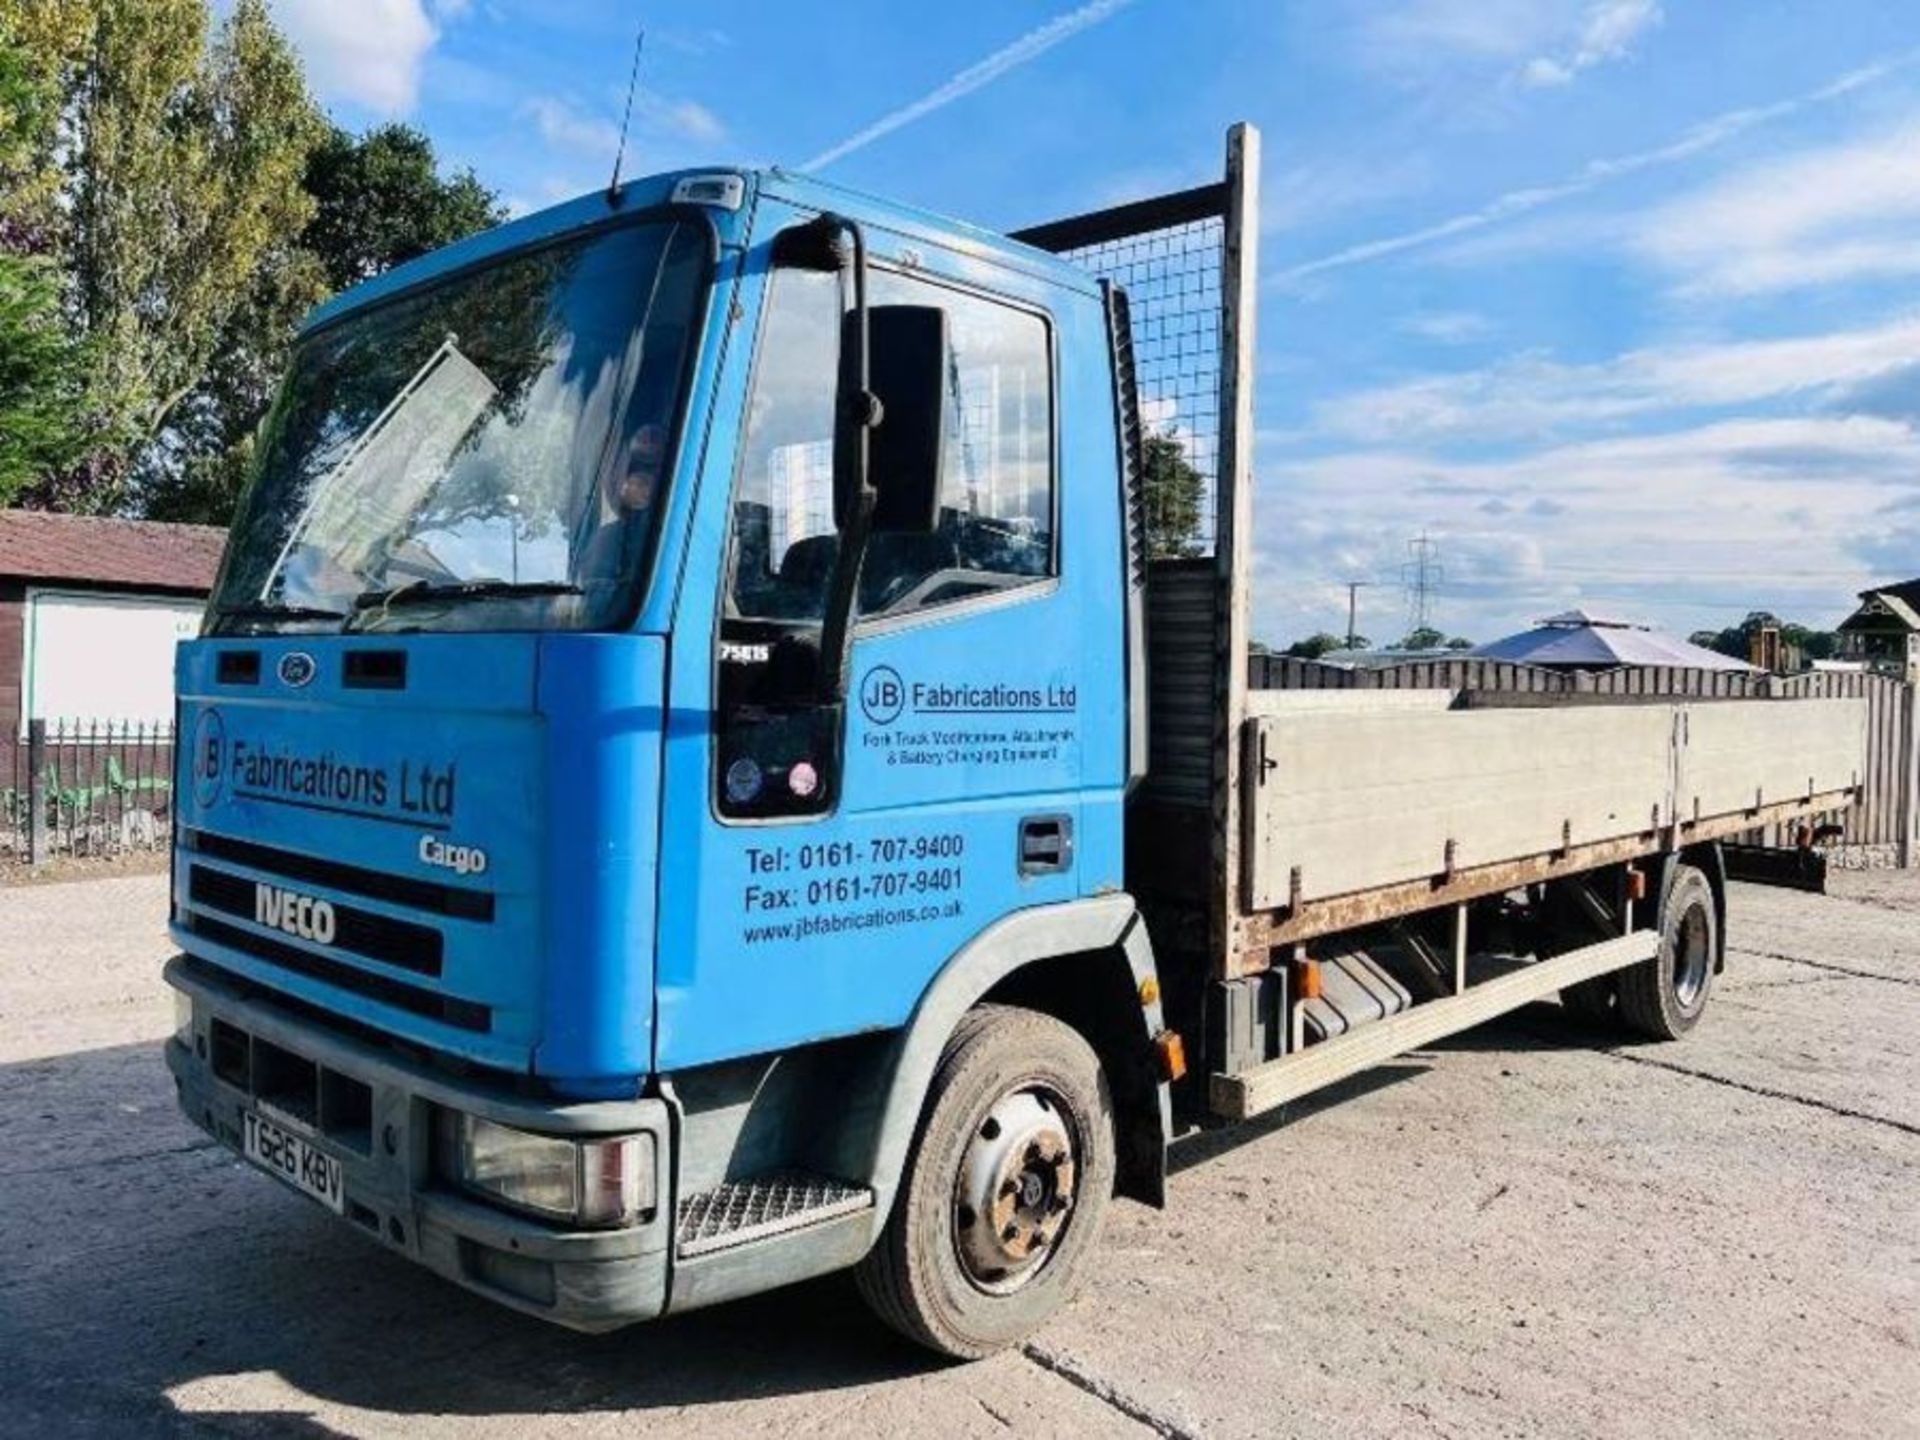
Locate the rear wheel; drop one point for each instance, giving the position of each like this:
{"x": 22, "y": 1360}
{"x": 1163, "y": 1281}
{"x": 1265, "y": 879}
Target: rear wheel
{"x": 1665, "y": 997}
{"x": 1596, "y": 1001}
{"x": 1004, "y": 1190}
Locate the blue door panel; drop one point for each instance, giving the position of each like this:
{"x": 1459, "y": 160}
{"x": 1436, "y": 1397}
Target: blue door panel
{"x": 960, "y": 723}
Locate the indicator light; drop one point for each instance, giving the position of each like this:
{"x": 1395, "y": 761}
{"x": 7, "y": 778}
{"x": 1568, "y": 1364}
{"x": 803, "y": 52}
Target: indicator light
{"x": 743, "y": 781}
{"x": 803, "y": 780}
{"x": 1171, "y": 1052}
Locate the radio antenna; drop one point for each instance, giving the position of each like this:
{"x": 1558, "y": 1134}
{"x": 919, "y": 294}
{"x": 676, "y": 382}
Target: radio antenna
{"x": 633, "y": 80}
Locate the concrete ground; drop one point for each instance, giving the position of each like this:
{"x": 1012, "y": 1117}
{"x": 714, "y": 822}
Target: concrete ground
{"x": 1514, "y": 1234}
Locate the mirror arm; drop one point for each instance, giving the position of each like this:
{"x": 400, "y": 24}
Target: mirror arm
{"x": 856, "y": 404}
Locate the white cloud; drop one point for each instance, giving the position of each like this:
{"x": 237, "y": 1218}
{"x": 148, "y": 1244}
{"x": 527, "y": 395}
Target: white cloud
{"x": 561, "y": 125}
{"x": 1028, "y": 48}
{"x": 1538, "y": 42}
{"x": 1682, "y": 528}
{"x": 685, "y": 119}
{"x": 369, "y": 53}
{"x": 1608, "y": 32}
{"x": 1447, "y": 327}
{"x": 1839, "y": 212}
{"x": 1701, "y": 138}
{"x": 566, "y": 127}
{"x": 1532, "y": 396}
{"x": 1418, "y": 35}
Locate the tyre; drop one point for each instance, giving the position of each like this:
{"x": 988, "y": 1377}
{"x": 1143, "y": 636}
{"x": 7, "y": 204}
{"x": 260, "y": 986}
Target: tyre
{"x": 1004, "y": 1189}
{"x": 1596, "y": 1001}
{"x": 1665, "y": 997}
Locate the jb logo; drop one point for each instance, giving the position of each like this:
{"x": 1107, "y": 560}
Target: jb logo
{"x": 209, "y": 756}
{"x": 883, "y": 695}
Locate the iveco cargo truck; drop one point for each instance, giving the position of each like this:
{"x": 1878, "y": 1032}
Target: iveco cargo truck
{"x": 703, "y": 766}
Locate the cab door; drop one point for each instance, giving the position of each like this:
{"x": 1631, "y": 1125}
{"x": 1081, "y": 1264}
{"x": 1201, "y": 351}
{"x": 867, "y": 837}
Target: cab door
{"x": 820, "y": 864}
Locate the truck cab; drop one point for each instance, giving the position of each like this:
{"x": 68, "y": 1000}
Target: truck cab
{"x": 607, "y": 739}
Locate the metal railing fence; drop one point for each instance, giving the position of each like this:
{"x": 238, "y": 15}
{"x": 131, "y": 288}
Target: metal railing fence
{"x": 86, "y": 787}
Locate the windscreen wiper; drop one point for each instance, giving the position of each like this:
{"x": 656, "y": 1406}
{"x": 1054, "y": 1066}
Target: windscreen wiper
{"x": 425, "y": 592}
{"x": 266, "y": 610}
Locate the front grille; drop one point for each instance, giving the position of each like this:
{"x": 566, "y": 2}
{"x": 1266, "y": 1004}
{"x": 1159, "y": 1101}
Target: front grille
{"x": 319, "y": 1097}
{"x": 394, "y": 942}
{"x": 461, "y": 1014}
{"x": 454, "y": 901}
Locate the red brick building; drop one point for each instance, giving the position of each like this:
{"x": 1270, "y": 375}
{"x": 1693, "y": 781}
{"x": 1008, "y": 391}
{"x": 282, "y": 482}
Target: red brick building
{"x": 88, "y": 612}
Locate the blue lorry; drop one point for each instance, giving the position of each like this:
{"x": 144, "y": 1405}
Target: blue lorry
{"x": 722, "y": 750}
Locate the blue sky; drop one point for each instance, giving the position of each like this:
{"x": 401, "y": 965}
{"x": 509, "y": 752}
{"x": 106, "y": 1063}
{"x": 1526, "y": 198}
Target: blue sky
{"x": 1618, "y": 300}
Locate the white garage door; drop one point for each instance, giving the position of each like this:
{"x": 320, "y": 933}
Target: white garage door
{"x": 99, "y": 658}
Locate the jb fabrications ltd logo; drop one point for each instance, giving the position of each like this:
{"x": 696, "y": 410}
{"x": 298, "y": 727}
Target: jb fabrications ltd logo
{"x": 884, "y": 696}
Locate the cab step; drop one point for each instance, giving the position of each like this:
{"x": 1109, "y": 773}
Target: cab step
{"x": 739, "y": 1212}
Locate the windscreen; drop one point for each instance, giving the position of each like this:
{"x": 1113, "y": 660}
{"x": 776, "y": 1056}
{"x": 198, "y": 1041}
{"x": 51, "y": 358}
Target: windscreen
{"x": 487, "y": 453}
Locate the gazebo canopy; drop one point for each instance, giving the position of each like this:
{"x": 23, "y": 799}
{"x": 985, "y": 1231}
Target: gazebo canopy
{"x": 1578, "y": 638}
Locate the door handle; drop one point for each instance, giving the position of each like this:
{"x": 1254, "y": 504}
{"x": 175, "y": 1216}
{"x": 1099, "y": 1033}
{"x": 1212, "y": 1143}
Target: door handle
{"x": 1046, "y": 844}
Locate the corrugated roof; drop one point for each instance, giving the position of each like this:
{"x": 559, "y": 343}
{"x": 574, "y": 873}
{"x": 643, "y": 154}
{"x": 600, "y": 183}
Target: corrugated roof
{"x": 138, "y": 554}
{"x": 1598, "y": 647}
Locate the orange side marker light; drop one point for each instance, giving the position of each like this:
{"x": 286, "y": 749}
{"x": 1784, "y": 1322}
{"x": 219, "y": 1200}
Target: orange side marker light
{"x": 1172, "y": 1053}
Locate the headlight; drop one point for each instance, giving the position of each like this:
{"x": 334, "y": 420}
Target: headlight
{"x": 599, "y": 1182}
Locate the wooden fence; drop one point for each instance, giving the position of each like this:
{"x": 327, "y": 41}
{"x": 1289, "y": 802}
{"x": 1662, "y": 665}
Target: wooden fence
{"x": 87, "y": 788}
{"x": 1883, "y": 828}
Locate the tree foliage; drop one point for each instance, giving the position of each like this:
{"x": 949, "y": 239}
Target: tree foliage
{"x": 43, "y": 378}
{"x": 1314, "y": 646}
{"x": 191, "y": 205}
{"x": 1172, "y": 492}
{"x": 43, "y": 371}
{"x": 188, "y": 156}
{"x": 379, "y": 200}
{"x": 40, "y": 41}
{"x": 1737, "y": 640}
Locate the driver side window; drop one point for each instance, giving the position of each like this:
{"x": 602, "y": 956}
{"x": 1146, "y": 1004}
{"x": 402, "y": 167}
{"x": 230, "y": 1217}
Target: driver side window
{"x": 995, "y": 525}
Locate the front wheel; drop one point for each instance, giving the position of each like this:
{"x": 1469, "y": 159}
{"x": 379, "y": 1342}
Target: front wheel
{"x": 1004, "y": 1190}
{"x": 1665, "y": 997}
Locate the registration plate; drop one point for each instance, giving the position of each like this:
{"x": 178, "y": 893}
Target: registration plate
{"x": 282, "y": 1153}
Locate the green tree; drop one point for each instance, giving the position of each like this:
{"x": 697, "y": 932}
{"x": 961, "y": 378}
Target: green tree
{"x": 39, "y": 43}
{"x": 43, "y": 371}
{"x": 1737, "y": 640}
{"x": 1172, "y": 492}
{"x": 1459, "y": 642}
{"x": 1314, "y": 646}
{"x": 1423, "y": 637}
{"x": 187, "y": 152}
{"x": 43, "y": 378}
{"x": 379, "y": 200}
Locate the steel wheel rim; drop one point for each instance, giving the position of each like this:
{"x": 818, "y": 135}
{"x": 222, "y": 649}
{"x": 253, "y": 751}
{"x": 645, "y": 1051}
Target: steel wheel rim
{"x": 1691, "y": 961}
{"x": 1016, "y": 1190}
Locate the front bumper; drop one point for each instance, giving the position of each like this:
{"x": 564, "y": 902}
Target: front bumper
{"x": 374, "y": 1112}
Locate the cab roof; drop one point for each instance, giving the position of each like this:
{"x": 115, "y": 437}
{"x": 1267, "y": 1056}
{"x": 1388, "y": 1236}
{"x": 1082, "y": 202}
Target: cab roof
{"x": 599, "y": 207}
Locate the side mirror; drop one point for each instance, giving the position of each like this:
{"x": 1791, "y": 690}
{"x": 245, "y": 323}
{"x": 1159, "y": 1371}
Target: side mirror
{"x": 907, "y": 364}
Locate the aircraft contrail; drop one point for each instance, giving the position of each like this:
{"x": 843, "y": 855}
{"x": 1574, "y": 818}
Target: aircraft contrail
{"x": 1029, "y": 46}
{"x": 1705, "y": 136}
